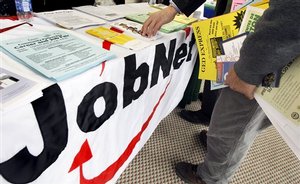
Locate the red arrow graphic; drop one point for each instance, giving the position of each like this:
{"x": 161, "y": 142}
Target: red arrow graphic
{"x": 85, "y": 154}
{"x": 82, "y": 156}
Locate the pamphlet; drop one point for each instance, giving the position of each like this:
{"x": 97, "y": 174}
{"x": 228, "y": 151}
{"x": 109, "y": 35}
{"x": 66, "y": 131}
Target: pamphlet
{"x": 289, "y": 131}
{"x": 224, "y": 64}
{"x": 117, "y": 38}
{"x": 232, "y": 46}
{"x": 133, "y": 29}
{"x": 166, "y": 28}
{"x": 281, "y": 105}
{"x": 56, "y": 54}
{"x": 251, "y": 16}
{"x": 285, "y": 98}
{"x": 70, "y": 19}
{"x": 102, "y": 12}
{"x": 209, "y": 34}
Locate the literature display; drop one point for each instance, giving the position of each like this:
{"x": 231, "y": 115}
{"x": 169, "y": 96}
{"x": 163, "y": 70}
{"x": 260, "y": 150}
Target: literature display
{"x": 56, "y": 54}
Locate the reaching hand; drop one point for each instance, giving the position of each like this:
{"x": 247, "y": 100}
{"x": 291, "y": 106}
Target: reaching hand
{"x": 157, "y": 19}
{"x": 238, "y": 85}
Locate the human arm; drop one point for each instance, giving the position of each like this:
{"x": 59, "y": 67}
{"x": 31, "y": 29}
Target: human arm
{"x": 158, "y": 19}
{"x": 275, "y": 43}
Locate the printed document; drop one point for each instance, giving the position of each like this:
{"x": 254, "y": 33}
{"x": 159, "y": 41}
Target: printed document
{"x": 70, "y": 19}
{"x": 103, "y": 12}
{"x": 56, "y": 54}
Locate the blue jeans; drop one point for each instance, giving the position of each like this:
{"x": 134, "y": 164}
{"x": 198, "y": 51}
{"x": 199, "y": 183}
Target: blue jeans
{"x": 235, "y": 122}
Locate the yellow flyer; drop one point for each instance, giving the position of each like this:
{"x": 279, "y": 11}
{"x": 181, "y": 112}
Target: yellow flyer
{"x": 110, "y": 35}
{"x": 117, "y": 38}
{"x": 209, "y": 33}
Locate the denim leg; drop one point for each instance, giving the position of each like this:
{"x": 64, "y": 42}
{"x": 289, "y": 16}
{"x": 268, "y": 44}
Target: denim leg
{"x": 235, "y": 122}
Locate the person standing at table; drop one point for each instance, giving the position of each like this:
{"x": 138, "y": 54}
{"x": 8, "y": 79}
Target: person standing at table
{"x": 237, "y": 118}
{"x": 209, "y": 97}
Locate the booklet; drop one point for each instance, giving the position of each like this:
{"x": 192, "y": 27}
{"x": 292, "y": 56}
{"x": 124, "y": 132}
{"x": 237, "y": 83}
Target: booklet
{"x": 224, "y": 64}
{"x": 117, "y": 38}
{"x": 209, "y": 33}
{"x": 167, "y": 28}
{"x": 233, "y": 45}
{"x": 57, "y": 55}
{"x": 102, "y": 12}
{"x": 133, "y": 29}
{"x": 70, "y": 19}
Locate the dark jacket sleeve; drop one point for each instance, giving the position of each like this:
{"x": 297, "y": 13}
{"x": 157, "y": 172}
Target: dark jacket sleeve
{"x": 188, "y": 6}
{"x": 274, "y": 43}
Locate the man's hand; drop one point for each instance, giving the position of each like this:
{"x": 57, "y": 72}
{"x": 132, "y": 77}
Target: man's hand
{"x": 157, "y": 19}
{"x": 238, "y": 85}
